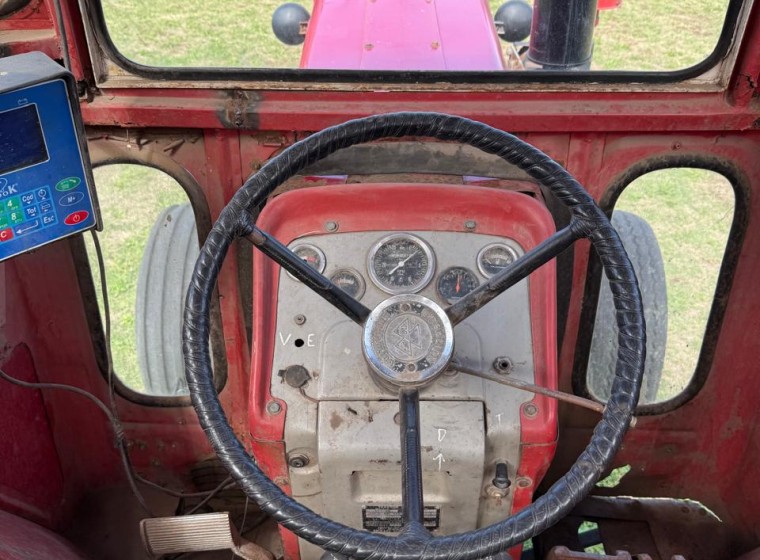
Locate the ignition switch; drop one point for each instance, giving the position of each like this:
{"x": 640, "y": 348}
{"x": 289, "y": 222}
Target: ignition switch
{"x": 295, "y": 376}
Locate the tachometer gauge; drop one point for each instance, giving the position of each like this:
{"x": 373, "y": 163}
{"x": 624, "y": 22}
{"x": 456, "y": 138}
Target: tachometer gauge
{"x": 494, "y": 258}
{"x": 350, "y": 281}
{"x": 401, "y": 263}
{"x": 456, "y": 282}
{"x": 311, "y": 255}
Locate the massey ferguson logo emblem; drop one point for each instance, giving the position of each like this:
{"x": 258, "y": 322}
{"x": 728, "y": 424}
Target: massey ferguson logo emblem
{"x": 407, "y": 338}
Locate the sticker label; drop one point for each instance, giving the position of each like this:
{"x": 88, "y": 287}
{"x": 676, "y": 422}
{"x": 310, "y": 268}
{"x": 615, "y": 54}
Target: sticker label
{"x": 387, "y": 519}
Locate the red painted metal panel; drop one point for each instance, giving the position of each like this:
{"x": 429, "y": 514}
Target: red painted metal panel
{"x": 402, "y": 35}
{"x": 31, "y": 483}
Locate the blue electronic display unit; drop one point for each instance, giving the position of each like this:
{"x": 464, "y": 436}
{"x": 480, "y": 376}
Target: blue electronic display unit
{"x": 46, "y": 186}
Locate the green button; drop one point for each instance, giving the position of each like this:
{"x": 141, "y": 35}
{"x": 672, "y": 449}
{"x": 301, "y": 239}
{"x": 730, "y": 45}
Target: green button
{"x": 4, "y": 221}
{"x": 13, "y": 203}
{"x": 68, "y": 184}
{"x": 16, "y": 217}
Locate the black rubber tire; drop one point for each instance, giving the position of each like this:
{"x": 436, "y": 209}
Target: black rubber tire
{"x": 641, "y": 244}
{"x": 165, "y": 271}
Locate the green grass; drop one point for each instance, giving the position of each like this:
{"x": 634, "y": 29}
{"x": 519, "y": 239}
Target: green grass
{"x": 683, "y": 206}
{"x": 127, "y": 220}
{"x": 690, "y": 211}
{"x": 199, "y": 33}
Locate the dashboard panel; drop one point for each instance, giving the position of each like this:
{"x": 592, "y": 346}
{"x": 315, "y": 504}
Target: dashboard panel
{"x": 326, "y": 429}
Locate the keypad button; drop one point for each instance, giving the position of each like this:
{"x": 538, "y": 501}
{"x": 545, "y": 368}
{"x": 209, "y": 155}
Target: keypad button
{"x": 76, "y": 218}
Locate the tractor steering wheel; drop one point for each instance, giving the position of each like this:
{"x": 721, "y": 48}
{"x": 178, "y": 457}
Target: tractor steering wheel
{"x": 414, "y": 542}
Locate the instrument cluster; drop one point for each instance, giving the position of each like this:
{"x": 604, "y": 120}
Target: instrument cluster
{"x": 406, "y": 263}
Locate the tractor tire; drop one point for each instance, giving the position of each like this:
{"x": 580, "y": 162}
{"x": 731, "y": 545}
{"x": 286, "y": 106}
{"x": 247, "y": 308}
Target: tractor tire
{"x": 165, "y": 272}
{"x": 641, "y": 244}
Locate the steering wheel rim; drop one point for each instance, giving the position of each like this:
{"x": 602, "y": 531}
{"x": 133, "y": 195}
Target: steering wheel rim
{"x": 588, "y": 221}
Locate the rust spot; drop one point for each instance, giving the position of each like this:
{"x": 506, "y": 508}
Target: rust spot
{"x": 240, "y": 110}
{"x": 335, "y": 421}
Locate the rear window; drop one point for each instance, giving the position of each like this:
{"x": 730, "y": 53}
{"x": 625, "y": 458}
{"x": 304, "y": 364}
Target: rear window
{"x": 421, "y": 35}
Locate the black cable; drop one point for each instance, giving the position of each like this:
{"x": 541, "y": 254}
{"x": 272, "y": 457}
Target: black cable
{"x": 112, "y": 414}
{"x": 131, "y": 473}
{"x": 226, "y": 483}
{"x": 121, "y": 442}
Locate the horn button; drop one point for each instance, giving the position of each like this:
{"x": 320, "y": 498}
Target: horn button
{"x": 408, "y": 341}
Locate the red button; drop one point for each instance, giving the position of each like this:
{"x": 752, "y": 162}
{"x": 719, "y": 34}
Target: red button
{"x": 76, "y": 217}
{"x": 6, "y": 234}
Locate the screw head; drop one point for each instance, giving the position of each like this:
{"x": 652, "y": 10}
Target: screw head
{"x": 274, "y": 407}
{"x": 331, "y": 226}
{"x": 470, "y": 225}
{"x": 502, "y": 365}
{"x": 530, "y": 410}
{"x": 298, "y": 461}
{"x": 299, "y": 319}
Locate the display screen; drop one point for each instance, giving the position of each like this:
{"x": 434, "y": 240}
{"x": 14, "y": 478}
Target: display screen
{"x": 21, "y": 141}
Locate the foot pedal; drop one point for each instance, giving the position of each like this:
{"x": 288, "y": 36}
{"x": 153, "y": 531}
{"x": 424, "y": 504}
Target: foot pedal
{"x": 197, "y": 533}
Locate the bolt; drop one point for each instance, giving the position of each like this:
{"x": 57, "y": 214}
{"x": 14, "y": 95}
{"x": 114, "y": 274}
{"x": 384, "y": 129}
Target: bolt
{"x": 502, "y": 365}
{"x": 298, "y": 461}
{"x": 501, "y": 480}
{"x": 405, "y": 307}
{"x": 470, "y": 225}
{"x": 530, "y": 410}
{"x": 274, "y": 407}
{"x": 411, "y": 367}
{"x": 331, "y": 226}
{"x": 299, "y": 319}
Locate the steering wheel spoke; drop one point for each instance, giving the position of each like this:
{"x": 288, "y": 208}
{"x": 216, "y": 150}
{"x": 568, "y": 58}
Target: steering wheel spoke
{"x": 412, "y": 506}
{"x": 318, "y": 283}
{"x": 514, "y": 273}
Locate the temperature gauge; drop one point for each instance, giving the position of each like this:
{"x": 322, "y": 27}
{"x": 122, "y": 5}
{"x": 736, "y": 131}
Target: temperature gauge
{"x": 350, "y": 281}
{"x": 456, "y": 282}
{"x": 311, "y": 255}
{"x": 494, "y": 258}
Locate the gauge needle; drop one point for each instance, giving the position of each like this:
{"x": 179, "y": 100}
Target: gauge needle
{"x": 402, "y": 263}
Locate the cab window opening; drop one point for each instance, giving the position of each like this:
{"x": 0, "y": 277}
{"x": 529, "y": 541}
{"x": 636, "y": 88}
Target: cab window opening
{"x": 651, "y": 40}
{"x": 683, "y": 224}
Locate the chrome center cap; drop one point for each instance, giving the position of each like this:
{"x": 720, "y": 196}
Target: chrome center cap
{"x": 408, "y": 340}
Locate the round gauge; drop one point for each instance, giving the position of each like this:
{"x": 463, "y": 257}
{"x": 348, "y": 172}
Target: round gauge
{"x": 311, "y": 255}
{"x": 456, "y": 282}
{"x": 350, "y": 281}
{"x": 401, "y": 263}
{"x": 494, "y": 258}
